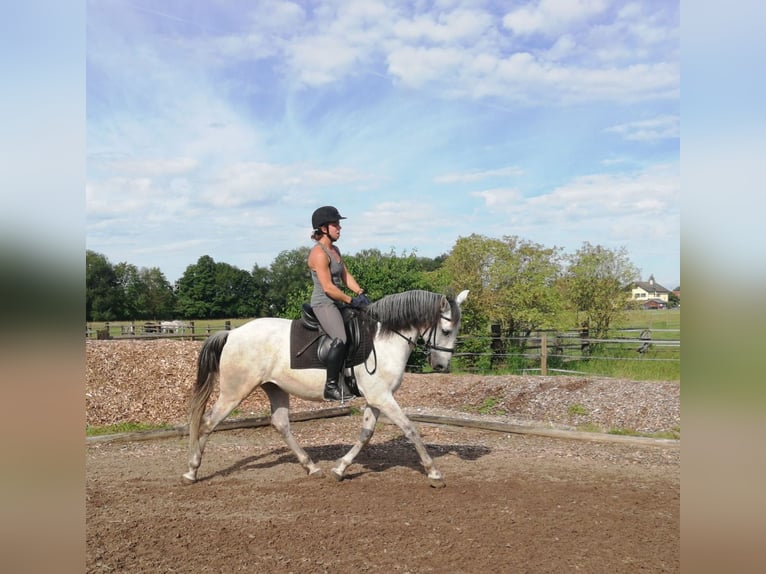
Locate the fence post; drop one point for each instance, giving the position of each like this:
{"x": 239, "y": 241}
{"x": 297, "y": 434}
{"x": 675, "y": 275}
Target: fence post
{"x": 227, "y": 325}
{"x": 584, "y": 334}
{"x": 544, "y": 354}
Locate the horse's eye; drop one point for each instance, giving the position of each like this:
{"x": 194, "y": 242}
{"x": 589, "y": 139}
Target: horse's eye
{"x": 446, "y": 332}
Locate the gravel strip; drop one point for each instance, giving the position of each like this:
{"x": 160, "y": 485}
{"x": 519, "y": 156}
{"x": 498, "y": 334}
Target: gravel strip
{"x": 150, "y": 382}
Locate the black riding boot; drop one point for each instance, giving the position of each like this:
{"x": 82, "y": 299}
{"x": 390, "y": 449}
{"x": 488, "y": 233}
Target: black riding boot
{"x": 336, "y": 356}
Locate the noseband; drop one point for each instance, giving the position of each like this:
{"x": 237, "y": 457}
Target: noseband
{"x": 430, "y": 343}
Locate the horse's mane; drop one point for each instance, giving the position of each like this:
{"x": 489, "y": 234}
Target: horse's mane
{"x": 416, "y": 308}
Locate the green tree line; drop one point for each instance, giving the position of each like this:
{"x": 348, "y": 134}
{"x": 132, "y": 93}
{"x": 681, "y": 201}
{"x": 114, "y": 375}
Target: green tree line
{"x": 517, "y": 287}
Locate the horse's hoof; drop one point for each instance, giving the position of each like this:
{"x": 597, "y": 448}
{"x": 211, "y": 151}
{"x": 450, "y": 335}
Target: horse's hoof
{"x": 316, "y": 473}
{"x": 437, "y": 482}
{"x": 189, "y": 478}
{"x": 338, "y": 476}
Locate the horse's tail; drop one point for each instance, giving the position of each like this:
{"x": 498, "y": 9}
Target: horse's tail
{"x": 208, "y": 364}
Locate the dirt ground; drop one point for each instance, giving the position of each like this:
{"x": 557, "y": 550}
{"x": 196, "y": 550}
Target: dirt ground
{"x": 517, "y": 503}
{"x": 513, "y": 503}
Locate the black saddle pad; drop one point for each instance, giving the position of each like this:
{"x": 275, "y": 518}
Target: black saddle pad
{"x": 304, "y": 343}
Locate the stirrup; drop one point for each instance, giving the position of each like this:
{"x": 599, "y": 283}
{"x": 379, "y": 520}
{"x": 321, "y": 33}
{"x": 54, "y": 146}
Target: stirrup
{"x": 335, "y": 393}
{"x": 351, "y": 383}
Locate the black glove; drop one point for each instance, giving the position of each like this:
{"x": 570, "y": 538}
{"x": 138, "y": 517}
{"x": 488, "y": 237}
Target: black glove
{"x": 360, "y": 301}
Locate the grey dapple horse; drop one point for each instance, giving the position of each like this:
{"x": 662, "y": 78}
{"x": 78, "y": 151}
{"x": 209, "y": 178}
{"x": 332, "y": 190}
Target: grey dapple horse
{"x": 257, "y": 354}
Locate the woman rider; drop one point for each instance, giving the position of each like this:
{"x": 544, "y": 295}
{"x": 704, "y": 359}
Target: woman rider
{"x": 330, "y": 276}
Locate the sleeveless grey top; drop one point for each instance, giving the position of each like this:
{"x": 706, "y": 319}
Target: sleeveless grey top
{"x": 318, "y": 296}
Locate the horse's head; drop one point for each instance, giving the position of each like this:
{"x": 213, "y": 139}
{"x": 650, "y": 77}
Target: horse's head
{"x": 441, "y": 339}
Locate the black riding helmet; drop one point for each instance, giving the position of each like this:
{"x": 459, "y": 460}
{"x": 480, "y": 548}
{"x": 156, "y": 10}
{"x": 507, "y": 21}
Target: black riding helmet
{"x": 324, "y": 215}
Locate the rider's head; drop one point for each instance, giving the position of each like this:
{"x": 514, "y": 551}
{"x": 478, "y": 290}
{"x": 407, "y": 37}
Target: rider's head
{"x": 322, "y": 217}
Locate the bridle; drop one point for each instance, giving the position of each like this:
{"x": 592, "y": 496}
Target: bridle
{"x": 430, "y": 342}
{"x": 428, "y": 346}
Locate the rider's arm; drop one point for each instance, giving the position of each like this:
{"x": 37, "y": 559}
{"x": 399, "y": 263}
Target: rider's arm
{"x": 350, "y": 282}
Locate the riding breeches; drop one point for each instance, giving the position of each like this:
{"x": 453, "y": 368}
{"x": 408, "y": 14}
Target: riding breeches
{"x": 331, "y": 320}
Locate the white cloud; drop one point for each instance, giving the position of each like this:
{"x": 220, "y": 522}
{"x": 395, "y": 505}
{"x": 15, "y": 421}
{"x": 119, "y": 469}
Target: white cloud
{"x": 445, "y": 27}
{"x": 243, "y": 183}
{"x": 605, "y": 195}
{"x": 141, "y": 199}
{"x": 322, "y": 59}
{"x": 152, "y": 166}
{"x": 564, "y": 47}
{"x": 408, "y": 222}
{"x": 548, "y": 83}
{"x": 419, "y": 66}
{"x": 619, "y": 202}
{"x": 510, "y": 171}
{"x": 276, "y": 16}
{"x": 119, "y": 197}
{"x": 499, "y": 197}
{"x": 659, "y": 128}
{"x": 344, "y": 38}
{"x": 551, "y": 17}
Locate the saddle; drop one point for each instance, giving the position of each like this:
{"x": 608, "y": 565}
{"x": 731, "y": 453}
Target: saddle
{"x": 309, "y": 343}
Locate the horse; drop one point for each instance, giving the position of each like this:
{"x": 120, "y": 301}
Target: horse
{"x": 257, "y": 354}
{"x": 174, "y": 326}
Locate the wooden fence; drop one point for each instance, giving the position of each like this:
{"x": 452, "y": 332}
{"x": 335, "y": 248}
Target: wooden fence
{"x": 189, "y": 330}
{"x": 574, "y": 346}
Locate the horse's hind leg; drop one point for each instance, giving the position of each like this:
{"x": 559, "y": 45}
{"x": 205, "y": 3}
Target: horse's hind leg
{"x": 221, "y": 409}
{"x": 369, "y": 419}
{"x": 280, "y": 420}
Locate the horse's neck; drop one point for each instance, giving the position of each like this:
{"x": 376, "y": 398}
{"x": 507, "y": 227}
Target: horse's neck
{"x": 398, "y": 345}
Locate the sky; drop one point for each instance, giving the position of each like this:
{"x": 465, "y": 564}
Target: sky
{"x": 216, "y": 128}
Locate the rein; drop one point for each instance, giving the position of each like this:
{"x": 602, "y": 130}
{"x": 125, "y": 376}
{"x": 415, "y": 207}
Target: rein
{"x": 428, "y": 346}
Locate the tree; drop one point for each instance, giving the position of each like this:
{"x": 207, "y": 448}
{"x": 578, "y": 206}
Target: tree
{"x": 597, "y": 285}
{"x": 261, "y": 284}
{"x": 196, "y": 290}
{"x": 513, "y": 287}
{"x": 210, "y": 290}
{"x": 133, "y": 291}
{"x": 467, "y": 267}
{"x": 234, "y": 293}
{"x": 513, "y": 280}
{"x": 146, "y": 293}
{"x": 382, "y": 275}
{"x": 525, "y": 280}
{"x": 289, "y": 276}
{"x": 103, "y": 297}
{"x": 428, "y": 264}
{"x": 157, "y": 296}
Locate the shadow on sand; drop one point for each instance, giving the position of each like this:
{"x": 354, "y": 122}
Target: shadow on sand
{"x": 375, "y": 457}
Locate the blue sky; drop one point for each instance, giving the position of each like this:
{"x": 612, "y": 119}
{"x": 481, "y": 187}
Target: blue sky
{"x": 216, "y": 128}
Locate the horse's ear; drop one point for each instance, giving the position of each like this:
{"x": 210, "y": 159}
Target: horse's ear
{"x": 444, "y": 303}
{"x": 462, "y": 297}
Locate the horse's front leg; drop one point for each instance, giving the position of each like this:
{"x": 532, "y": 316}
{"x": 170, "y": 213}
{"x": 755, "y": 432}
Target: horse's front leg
{"x": 394, "y": 412}
{"x": 369, "y": 419}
